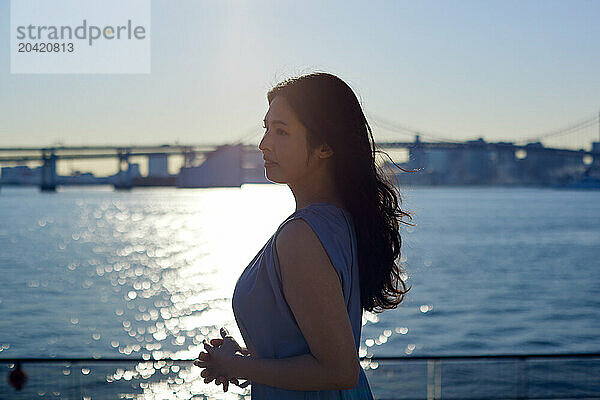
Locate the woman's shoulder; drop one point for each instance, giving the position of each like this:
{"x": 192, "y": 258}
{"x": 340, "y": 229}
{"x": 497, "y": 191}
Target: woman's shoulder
{"x": 333, "y": 229}
{"x": 332, "y": 225}
{"x": 322, "y": 217}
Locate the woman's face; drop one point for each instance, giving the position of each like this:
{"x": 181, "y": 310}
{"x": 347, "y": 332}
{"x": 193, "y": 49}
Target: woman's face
{"x": 284, "y": 144}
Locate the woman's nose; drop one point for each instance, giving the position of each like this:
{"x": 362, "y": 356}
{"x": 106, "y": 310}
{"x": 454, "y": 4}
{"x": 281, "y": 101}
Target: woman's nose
{"x": 264, "y": 143}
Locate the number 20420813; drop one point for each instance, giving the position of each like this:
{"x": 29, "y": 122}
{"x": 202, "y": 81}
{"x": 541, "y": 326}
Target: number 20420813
{"x": 46, "y": 47}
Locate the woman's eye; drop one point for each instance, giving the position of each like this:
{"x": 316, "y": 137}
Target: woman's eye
{"x": 279, "y": 131}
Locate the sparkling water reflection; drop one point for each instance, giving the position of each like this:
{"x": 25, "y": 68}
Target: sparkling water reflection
{"x": 151, "y": 273}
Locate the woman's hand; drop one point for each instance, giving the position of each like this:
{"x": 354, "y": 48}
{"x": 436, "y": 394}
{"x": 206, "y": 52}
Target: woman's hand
{"x": 208, "y": 374}
{"x": 218, "y": 359}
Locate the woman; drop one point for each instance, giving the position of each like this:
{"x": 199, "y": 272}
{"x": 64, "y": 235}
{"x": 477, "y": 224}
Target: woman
{"x": 299, "y": 303}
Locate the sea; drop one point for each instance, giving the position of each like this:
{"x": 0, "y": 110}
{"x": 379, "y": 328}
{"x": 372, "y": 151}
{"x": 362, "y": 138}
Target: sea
{"x": 90, "y": 272}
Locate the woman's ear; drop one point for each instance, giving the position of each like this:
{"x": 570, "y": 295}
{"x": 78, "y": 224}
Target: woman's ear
{"x": 325, "y": 151}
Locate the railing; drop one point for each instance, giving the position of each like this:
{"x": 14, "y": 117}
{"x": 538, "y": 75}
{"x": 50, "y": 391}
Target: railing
{"x": 507, "y": 376}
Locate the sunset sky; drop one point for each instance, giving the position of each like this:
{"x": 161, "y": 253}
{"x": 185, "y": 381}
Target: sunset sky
{"x": 501, "y": 70}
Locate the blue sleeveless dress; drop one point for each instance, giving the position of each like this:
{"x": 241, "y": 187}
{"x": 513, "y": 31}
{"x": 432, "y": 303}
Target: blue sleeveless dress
{"x": 265, "y": 319}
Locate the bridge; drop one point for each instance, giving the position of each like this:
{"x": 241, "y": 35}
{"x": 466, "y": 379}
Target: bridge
{"x": 48, "y": 156}
{"x": 226, "y": 159}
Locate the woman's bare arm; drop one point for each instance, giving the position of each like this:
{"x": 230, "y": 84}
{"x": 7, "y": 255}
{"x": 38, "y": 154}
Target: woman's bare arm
{"x": 302, "y": 372}
{"x": 313, "y": 290}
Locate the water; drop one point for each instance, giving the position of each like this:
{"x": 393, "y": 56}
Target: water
{"x": 93, "y": 272}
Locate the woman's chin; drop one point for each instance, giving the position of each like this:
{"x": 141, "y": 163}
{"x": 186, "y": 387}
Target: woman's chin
{"x": 274, "y": 178}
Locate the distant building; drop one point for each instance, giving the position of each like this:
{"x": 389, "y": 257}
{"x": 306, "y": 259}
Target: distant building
{"x": 478, "y": 162}
{"x": 125, "y": 176}
{"x": 158, "y": 165}
{"x": 21, "y": 175}
{"x": 538, "y": 166}
{"x": 596, "y": 149}
{"x": 437, "y": 160}
{"x": 221, "y": 168}
{"x": 437, "y": 165}
{"x": 457, "y": 168}
{"x": 505, "y": 164}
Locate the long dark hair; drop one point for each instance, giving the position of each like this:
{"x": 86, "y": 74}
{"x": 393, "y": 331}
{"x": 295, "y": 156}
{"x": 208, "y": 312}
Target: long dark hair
{"x": 330, "y": 111}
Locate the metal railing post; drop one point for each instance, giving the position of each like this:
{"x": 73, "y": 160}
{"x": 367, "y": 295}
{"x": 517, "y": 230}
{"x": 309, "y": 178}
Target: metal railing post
{"x": 434, "y": 379}
{"x": 522, "y": 379}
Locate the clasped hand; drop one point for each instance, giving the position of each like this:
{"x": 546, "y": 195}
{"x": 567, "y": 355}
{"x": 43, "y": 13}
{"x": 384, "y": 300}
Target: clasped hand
{"x": 218, "y": 358}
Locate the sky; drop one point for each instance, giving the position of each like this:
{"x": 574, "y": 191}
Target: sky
{"x": 497, "y": 69}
